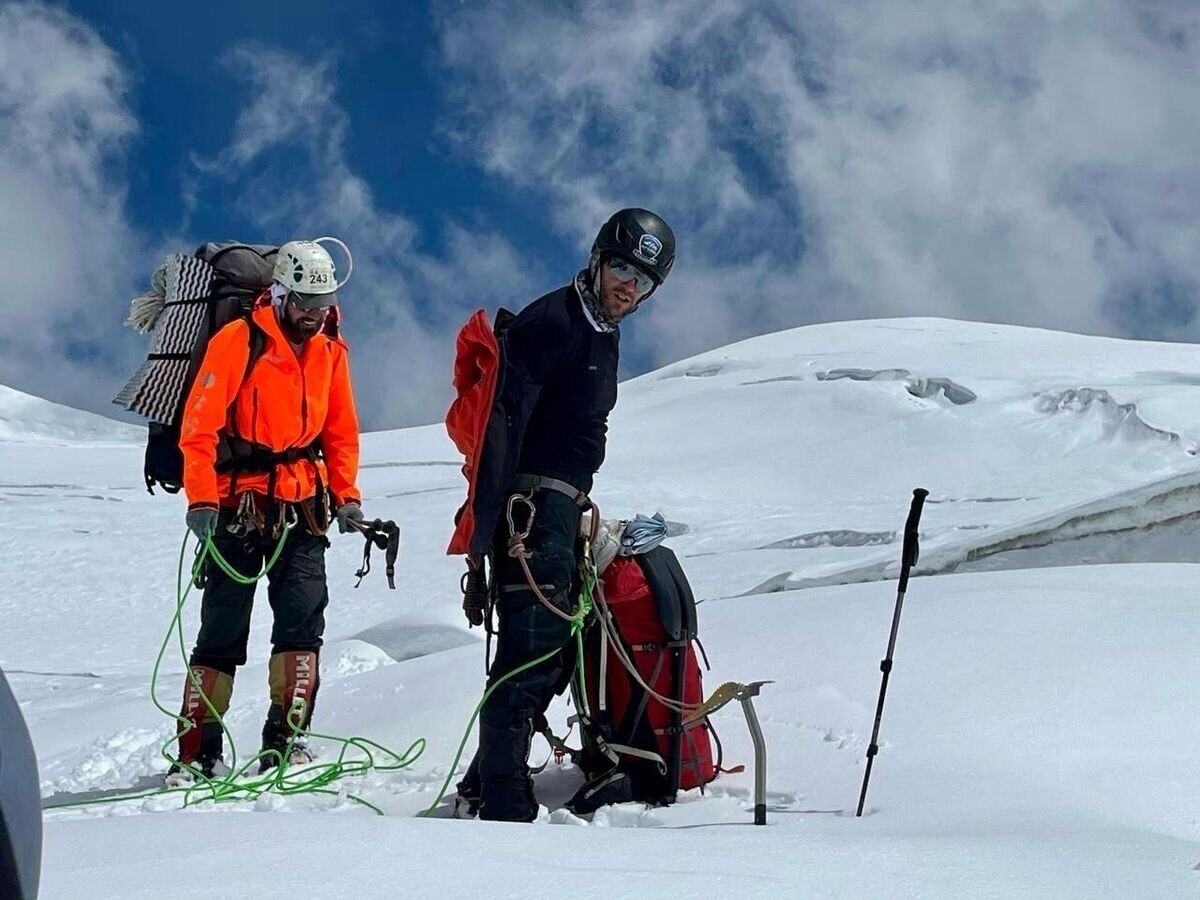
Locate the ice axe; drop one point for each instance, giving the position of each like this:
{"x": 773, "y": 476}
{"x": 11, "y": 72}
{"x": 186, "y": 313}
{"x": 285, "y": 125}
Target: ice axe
{"x": 745, "y": 694}
{"x": 908, "y": 559}
{"x": 386, "y": 536}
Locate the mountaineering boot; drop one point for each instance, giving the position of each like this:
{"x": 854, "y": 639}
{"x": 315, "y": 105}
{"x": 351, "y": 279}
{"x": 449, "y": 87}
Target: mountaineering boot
{"x": 294, "y": 680}
{"x": 466, "y": 800}
{"x": 611, "y": 787}
{"x": 279, "y": 738}
{"x": 201, "y": 745}
{"x": 208, "y": 764}
{"x": 506, "y": 790}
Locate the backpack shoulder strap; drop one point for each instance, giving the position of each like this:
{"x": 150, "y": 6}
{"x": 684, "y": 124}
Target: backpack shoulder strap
{"x": 228, "y": 437}
{"x": 258, "y": 346}
{"x": 672, "y": 594}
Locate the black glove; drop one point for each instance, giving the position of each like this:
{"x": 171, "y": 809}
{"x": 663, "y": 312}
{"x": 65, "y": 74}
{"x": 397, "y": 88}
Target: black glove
{"x": 347, "y": 513}
{"x": 475, "y": 594}
{"x": 202, "y": 521}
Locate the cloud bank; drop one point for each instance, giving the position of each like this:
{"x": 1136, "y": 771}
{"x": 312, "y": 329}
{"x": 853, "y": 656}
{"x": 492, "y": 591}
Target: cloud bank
{"x": 1022, "y": 161}
{"x": 66, "y": 247}
{"x": 287, "y": 169}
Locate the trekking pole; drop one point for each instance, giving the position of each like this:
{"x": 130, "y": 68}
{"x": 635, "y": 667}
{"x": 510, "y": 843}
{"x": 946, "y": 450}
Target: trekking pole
{"x": 908, "y": 559}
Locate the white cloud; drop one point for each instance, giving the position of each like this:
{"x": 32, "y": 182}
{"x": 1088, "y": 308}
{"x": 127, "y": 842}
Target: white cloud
{"x": 404, "y": 303}
{"x": 1021, "y": 161}
{"x": 71, "y": 257}
{"x": 66, "y": 247}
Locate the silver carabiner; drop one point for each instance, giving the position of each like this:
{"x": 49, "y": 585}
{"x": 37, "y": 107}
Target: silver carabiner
{"x": 527, "y": 499}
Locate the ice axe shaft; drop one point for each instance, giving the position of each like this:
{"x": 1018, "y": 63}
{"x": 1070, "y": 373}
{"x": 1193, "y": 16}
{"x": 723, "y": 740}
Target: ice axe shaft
{"x": 760, "y": 760}
{"x": 745, "y": 694}
{"x": 909, "y": 555}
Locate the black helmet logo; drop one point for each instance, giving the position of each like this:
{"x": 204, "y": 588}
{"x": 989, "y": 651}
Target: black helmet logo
{"x": 648, "y": 248}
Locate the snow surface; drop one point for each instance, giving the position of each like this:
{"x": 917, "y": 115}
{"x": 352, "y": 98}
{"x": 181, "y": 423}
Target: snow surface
{"x": 24, "y": 417}
{"x": 1041, "y": 721}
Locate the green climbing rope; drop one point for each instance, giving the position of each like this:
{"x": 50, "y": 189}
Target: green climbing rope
{"x": 577, "y": 620}
{"x": 240, "y": 783}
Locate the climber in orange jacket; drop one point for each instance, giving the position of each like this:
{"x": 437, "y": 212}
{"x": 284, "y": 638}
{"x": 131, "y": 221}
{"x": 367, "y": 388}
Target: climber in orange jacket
{"x": 269, "y": 434}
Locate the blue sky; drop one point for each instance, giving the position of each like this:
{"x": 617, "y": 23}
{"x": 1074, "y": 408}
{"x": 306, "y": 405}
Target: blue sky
{"x": 1021, "y": 161}
{"x": 384, "y": 68}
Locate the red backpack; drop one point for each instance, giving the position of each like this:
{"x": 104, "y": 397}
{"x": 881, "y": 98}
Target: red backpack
{"x": 634, "y": 746}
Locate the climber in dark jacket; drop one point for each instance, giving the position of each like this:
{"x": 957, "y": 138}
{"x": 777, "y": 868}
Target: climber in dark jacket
{"x": 558, "y": 385}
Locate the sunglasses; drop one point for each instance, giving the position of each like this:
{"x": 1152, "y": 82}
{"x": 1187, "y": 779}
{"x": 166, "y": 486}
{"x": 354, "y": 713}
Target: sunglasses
{"x": 627, "y": 271}
{"x": 315, "y": 303}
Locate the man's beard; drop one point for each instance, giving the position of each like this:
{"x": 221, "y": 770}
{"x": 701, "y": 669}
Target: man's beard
{"x": 301, "y": 330}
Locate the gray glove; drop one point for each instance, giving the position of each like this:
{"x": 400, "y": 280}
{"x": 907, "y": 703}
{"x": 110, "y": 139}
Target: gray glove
{"x": 347, "y": 513}
{"x": 202, "y": 521}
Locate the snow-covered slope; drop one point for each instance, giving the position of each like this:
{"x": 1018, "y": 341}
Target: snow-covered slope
{"x": 810, "y": 463}
{"x": 24, "y": 417}
{"x": 1038, "y": 733}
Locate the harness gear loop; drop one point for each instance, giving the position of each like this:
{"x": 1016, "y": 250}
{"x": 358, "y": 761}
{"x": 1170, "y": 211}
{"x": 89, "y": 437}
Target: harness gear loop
{"x": 518, "y": 551}
{"x": 269, "y": 521}
{"x": 307, "y": 512}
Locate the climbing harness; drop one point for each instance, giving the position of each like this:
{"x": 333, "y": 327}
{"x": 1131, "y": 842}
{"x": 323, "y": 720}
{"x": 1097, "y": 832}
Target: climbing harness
{"x": 518, "y": 551}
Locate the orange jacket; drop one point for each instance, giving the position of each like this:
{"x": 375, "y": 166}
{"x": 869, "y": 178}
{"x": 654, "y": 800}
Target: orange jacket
{"x": 285, "y": 402}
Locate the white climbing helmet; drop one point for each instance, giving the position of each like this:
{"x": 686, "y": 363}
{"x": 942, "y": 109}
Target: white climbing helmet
{"x": 306, "y": 269}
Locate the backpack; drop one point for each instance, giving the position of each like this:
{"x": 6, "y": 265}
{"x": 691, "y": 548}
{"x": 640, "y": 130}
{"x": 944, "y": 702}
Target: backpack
{"x": 480, "y": 429}
{"x": 485, "y": 433}
{"x": 634, "y": 747}
{"x": 191, "y": 298}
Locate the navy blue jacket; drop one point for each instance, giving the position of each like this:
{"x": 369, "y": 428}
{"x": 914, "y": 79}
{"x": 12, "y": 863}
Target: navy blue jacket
{"x": 559, "y": 385}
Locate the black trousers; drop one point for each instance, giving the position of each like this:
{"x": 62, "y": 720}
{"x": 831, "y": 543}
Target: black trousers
{"x": 526, "y": 630}
{"x": 297, "y": 592}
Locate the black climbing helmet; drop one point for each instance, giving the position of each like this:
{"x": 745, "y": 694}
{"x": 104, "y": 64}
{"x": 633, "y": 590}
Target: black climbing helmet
{"x": 640, "y": 237}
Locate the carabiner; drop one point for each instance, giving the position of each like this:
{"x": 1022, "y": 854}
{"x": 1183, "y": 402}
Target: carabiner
{"x": 527, "y": 499}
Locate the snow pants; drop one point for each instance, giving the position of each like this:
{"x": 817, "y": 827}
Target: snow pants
{"x": 526, "y": 630}
{"x": 297, "y": 592}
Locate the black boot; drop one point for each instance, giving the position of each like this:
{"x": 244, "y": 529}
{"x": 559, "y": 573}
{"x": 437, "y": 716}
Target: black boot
{"x": 506, "y": 790}
{"x": 208, "y": 759}
{"x": 466, "y": 802}
{"x": 278, "y": 739}
{"x": 294, "y": 676}
{"x": 612, "y": 787}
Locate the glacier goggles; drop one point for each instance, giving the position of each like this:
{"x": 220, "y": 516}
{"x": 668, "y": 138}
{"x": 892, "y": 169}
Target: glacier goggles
{"x": 623, "y": 271}
{"x": 312, "y": 302}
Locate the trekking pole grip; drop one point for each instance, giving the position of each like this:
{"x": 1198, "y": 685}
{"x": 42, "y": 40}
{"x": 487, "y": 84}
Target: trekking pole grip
{"x": 912, "y": 550}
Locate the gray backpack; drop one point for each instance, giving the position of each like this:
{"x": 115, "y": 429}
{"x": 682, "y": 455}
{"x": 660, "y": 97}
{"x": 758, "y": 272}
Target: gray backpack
{"x": 191, "y": 298}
